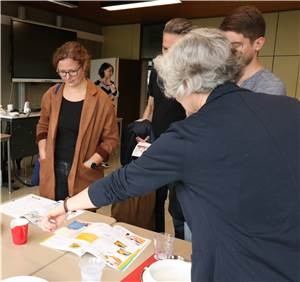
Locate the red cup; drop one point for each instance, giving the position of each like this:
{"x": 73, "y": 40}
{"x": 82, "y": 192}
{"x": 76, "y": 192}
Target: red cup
{"x": 19, "y": 230}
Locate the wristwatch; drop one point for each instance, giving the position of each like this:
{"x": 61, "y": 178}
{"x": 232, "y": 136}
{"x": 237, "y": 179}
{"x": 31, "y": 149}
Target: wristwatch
{"x": 93, "y": 166}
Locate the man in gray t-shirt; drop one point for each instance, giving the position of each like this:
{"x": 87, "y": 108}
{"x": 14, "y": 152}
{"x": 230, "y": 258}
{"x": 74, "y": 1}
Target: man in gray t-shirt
{"x": 245, "y": 28}
{"x": 266, "y": 82}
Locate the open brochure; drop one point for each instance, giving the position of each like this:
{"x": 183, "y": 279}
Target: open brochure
{"x": 116, "y": 245}
{"x": 33, "y": 207}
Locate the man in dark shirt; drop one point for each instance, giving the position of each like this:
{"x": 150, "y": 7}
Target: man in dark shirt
{"x": 162, "y": 111}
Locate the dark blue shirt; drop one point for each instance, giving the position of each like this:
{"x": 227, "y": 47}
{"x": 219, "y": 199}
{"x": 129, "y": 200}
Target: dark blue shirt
{"x": 237, "y": 164}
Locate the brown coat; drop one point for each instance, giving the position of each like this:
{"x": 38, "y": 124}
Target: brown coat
{"x": 98, "y": 132}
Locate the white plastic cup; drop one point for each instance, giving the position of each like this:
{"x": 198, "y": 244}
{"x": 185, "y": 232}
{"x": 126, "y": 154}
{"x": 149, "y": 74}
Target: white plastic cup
{"x": 91, "y": 268}
{"x": 163, "y": 246}
{"x": 10, "y": 107}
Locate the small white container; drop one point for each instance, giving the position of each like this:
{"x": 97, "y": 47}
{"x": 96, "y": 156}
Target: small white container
{"x": 26, "y": 109}
{"x": 10, "y": 108}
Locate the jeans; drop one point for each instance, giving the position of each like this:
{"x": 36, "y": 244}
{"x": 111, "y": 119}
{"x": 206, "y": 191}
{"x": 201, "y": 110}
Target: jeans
{"x": 62, "y": 170}
{"x": 187, "y": 232}
{"x": 176, "y": 211}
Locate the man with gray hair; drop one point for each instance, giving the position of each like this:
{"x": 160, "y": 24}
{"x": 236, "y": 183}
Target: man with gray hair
{"x": 245, "y": 28}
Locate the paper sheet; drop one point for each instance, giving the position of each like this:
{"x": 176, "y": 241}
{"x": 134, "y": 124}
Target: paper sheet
{"x": 32, "y": 207}
{"x": 140, "y": 148}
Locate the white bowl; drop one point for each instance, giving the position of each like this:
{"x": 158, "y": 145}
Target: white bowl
{"x": 168, "y": 270}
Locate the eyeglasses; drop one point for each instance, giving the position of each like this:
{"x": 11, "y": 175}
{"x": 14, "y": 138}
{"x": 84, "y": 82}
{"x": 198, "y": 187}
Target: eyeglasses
{"x": 71, "y": 73}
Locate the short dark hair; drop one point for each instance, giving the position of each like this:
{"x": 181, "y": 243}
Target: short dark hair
{"x": 72, "y": 50}
{"x": 104, "y": 67}
{"x": 178, "y": 26}
{"x": 246, "y": 20}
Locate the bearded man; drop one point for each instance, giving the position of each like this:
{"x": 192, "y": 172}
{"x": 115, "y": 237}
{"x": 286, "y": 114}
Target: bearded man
{"x": 245, "y": 28}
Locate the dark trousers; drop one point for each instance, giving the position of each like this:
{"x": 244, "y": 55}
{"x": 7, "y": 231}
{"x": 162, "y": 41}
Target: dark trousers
{"x": 179, "y": 228}
{"x": 161, "y": 196}
{"x": 62, "y": 170}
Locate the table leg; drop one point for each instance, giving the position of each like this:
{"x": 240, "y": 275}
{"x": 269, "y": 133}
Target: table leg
{"x": 9, "y": 166}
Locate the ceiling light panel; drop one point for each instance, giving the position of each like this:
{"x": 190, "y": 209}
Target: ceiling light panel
{"x": 69, "y": 4}
{"x": 142, "y": 4}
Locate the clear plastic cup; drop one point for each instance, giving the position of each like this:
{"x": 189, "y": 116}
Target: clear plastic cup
{"x": 91, "y": 268}
{"x": 163, "y": 246}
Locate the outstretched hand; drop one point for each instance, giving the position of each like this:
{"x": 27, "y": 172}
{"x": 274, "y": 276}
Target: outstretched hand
{"x": 54, "y": 218}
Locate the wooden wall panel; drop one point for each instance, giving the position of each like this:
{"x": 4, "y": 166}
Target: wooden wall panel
{"x": 288, "y": 35}
{"x": 287, "y": 67}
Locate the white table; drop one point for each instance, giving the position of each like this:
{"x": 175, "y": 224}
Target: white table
{"x": 20, "y": 116}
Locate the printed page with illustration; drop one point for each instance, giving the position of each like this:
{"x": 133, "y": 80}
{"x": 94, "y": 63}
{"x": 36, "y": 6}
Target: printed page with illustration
{"x": 116, "y": 245}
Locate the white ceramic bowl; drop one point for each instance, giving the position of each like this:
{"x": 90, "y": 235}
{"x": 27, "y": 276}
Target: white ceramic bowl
{"x": 168, "y": 270}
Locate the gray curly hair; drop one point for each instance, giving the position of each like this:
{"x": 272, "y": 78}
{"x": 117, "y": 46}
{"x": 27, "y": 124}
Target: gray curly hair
{"x": 197, "y": 63}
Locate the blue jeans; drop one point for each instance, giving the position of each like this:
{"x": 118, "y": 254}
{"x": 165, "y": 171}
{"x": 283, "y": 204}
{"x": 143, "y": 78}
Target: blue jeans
{"x": 62, "y": 170}
{"x": 187, "y": 232}
{"x": 176, "y": 211}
